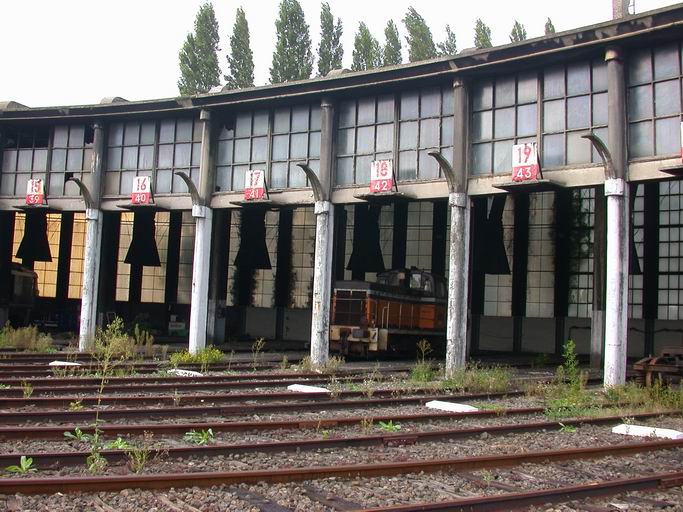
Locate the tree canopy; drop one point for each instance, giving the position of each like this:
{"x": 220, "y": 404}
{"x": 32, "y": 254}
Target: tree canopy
{"x": 198, "y": 58}
{"x": 391, "y": 55}
{"x": 292, "y": 58}
{"x": 240, "y": 58}
{"x": 549, "y": 27}
{"x": 448, "y": 46}
{"x": 419, "y": 38}
{"x": 518, "y": 33}
{"x": 367, "y": 53}
{"x": 482, "y": 35}
{"x": 330, "y": 50}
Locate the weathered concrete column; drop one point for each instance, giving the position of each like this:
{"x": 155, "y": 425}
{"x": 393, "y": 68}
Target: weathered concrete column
{"x": 93, "y": 243}
{"x": 458, "y": 261}
{"x": 599, "y": 255}
{"x": 616, "y": 190}
{"x": 202, "y": 241}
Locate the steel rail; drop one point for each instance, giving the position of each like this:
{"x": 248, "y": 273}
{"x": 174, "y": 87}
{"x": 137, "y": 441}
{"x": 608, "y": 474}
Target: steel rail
{"x": 517, "y": 500}
{"x": 235, "y": 410}
{"x": 47, "y": 459}
{"x": 49, "y": 485}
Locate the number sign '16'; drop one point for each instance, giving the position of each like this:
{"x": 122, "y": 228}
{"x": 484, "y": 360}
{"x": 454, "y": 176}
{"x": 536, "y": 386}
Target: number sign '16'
{"x": 382, "y": 176}
{"x": 142, "y": 192}
{"x": 254, "y": 184}
{"x": 524, "y": 162}
{"x": 35, "y": 191}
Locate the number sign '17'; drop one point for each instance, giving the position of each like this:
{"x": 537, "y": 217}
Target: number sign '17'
{"x": 35, "y": 191}
{"x": 524, "y": 162}
{"x": 382, "y": 176}
{"x": 254, "y": 184}
{"x": 142, "y": 192}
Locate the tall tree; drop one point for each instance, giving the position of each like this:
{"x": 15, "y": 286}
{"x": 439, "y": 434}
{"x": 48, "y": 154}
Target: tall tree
{"x": 198, "y": 58}
{"x": 419, "y": 38}
{"x": 448, "y": 47}
{"x": 518, "y": 33}
{"x": 482, "y": 35}
{"x": 240, "y": 58}
{"x": 391, "y": 55}
{"x": 549, "y": 27}
{"x": 292, "y": 58}
{"x": 330, "y": 50}
{"x": 366, "y": 50}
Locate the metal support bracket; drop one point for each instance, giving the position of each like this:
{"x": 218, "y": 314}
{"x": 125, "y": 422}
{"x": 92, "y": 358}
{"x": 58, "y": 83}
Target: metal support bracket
{"x": 319, "y": 194}
{"x": 446, "y": 168}
{"x": 604, "y": 153}
{"x": 194, "y": 194}
{"x": 87, "y": 197}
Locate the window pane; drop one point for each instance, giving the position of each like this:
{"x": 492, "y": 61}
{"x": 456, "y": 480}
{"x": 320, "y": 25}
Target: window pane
{"x": 238, "y": 176}
{"x": 481, "y": 159}
{"x": 385, "y": 137}
{"x": 578, "y": 112}
{"x": 363, "y": 164}
{"x": 641, "y": 141}
{"x": 314, "y": 144}
{"x": 25, "y": 159}
{"x": 429, "y": 133}
{"x": 429, "y": 168}
{"x": 146, "y": 159}
{"x": 132, "y": 136}
{"x": 599, "y": 75}
{"x": 553, "y": 82}
{"x": 504, "y": 123}
{"x": 666, "y": 62}
{"x": 130, "y": 158}
{"x": 344, "y": 174}
{"x": 667, "y": 98}
{"x": 430, "y": 106}
{"x": 668, "y": 136}
{"x": 242, "y": 147}
{"x": 482, "y": 125}
{"x": 278, "y": 174}
{"x": 74, "y": 160}
{"x": 300, "y": 118}
{"x": 505, "y": 92}
{"x": 602, "y": 133}
{"x": 224, "y": 178}
{"x": 40, "y": 160}
{"x": 147, "y": 133}
{"x": 164, "y": 179}
{"x": 640, "y": 103}
{"x": 9, "y": 160}
{"x": 527, "y": 87}
{"x": 243, "y": 124}
{"x": 447, "y": 101}
{"x": 447, "y": 131}
{"x": 526, "y": 120}
{"x": 182, "y": 155}
{"x": 578, "y": 78}
{"x": 281, "y": 121}
{"x": 281, "y": 147}
{"x": 261, "y": 122}
{"x": 578, "y": 149}
{"x": 259, "y": 148}
{"x": 502, "y": 156}
{"x": 76, "y": 136}
{"x": 600, "y": 109}
{"x": 366, "y": 110}
{"x": 408, "y": 136}
{"x": 196, "y": 154}
{"x": 127, "y": 181}
{"x": 409, "y": 105}
{"x": 299, "y": 147}
{"x": 115, "y": 135}
{"x": 113, "y": 159}
{"x": 225, "y": 152}
{"x": 315, "y": 117}
{"x": 365, "y": 140}
{"x": 385, "y": 109}
{"x": 167, "y": 131}
{"x": 407, "y": 165}
{"x": 639, "y": 68}
{"x": 56, "y": 184}
{"x": 553, "y": 150}
{"x": 345, "y": 141}
{"x": 166, "y": 155}
{"x": 553, "y": 116}
{"x": 483, "y": 96}
{"x": 297, "y": 178}
{"x": 347, "y": 113}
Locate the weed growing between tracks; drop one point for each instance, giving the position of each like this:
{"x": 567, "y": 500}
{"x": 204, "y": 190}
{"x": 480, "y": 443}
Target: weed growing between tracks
{"x": 423, "y": 370}
{"x": 204, "y": 358}
{"x": 475, "y": 378}
{"x": 25, "y": 338}
{"x": 257, "y": 352}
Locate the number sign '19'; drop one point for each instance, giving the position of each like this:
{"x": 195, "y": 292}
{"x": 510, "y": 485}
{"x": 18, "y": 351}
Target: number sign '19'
{"x": 382, "y": 176}
{"x": 142, "y": 193}
{"x": 35, "y": 191}
{"x": 254, "y": 184}
{"x": 524, "y": 162}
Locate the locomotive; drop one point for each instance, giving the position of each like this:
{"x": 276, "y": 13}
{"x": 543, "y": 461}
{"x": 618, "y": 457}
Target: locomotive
{"x": 402, "y": 307}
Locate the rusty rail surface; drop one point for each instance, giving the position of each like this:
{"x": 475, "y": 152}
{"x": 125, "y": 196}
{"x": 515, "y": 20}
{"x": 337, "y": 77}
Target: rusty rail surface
{"x": 48, "y": 485}
{"x": 58, "y": 459}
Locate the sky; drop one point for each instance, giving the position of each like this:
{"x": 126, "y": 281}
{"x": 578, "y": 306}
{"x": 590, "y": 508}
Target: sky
{"x": 74, "y": 52}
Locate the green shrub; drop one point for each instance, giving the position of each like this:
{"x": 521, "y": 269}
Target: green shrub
{"x": 480, "y": 379}
{"x": 204, "y": 357}
{"x": 25, "y": 338}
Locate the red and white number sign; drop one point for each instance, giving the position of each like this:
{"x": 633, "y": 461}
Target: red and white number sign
{"x": 382, "y": 176}
{"x": 142, "y": 192}
{"x": 524, "y": 162}
{"x": 254, "y": 184}
{"x": 35, "y": 191}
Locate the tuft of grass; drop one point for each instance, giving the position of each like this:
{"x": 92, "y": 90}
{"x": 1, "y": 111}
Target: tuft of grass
{"x": 25, "y": 338}
{"x": 27, "y": 388}
{"x": 199, "y": 437}
{"x": 257, "y": 352}
{"x": 480, "y": 379}
{"x": 423, "y": 370}
{"x": 204, "y": 358}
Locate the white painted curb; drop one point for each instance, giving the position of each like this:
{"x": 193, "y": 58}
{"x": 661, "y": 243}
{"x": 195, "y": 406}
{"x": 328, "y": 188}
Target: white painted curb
{"x": 301, "y": 388}
{"x": 63, "y": 363}
{"x": 641, "y": 431}
{"x": 449, "y": 406}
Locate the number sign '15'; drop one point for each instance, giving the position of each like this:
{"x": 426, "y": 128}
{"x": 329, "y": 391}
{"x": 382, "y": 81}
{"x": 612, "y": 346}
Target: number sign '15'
{"x": 142, "y": 192}
{"x": 524, "y": 162}
{"x": 35, "y": 191}
{"x": 382, "y": 176}
{"x": 254, "y": 184}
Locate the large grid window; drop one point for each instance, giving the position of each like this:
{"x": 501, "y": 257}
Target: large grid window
{"x": 581, "y": 253}
{"x": 273, "y": 141}
{"x": 574, "y": 103}
{"x": 541, "y": 257}
{"x": 670, "y": 299}
{"x": 123, "y": 268}
{"x": 77, "y": 256}
{"x": 654, "y": 101}
{"x": 154, "y": 278}
{"x": 186, "y": 258}
{"x": 504, "y": 113}
{"x": 303, "y": 253}
{"x": 498, "y": 287}
{"x": 153, "y": 149}
{"x": 419, "y": 234}
{"x": 24, "y": 157}
{"x": 46, "y": 270}
{"x": 635, "y": 281}
{"x": 71, "y": 153}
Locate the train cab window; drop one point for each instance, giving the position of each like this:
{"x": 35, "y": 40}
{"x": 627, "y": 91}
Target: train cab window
{"x": 415, "y": 281}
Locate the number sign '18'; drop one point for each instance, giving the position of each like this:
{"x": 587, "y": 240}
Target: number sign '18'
{"x": 524, "y": 162}
{"x": 382, "y": 176}
{"x": 254, "y": 184}
{"x": 35, "y": 191}
{"x": 142, "y": 192}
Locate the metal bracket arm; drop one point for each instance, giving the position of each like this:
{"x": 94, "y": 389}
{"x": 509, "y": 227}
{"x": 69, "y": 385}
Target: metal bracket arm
{"x": 319, "y": 194}
{"x": 87, "y": 197}
{"x": 194, "y": 194}
{"x": 604, "y": 153}
{"x": 446, "y": 168}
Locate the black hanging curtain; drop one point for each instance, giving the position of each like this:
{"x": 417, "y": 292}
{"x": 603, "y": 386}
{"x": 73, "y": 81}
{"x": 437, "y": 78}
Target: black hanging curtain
{"x": 143, "y": 247}
{"x": 366, "y": 255}
{"x": 35, "y": 246}
{"x": 253, "y": 251}
{"x": 494, "y": 255}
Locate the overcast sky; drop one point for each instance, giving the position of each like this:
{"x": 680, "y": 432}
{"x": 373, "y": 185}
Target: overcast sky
{"x": 68, "y": 52}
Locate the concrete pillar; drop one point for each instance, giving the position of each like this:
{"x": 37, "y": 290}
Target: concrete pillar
{"x": 93, "y": 245}
{"x": 202, "y": 243}
{"x": 458, "y": 261}
{"x": 616, "y": 190}
{"x": 599, "y": 259}
{"x": 324, "y": 229}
